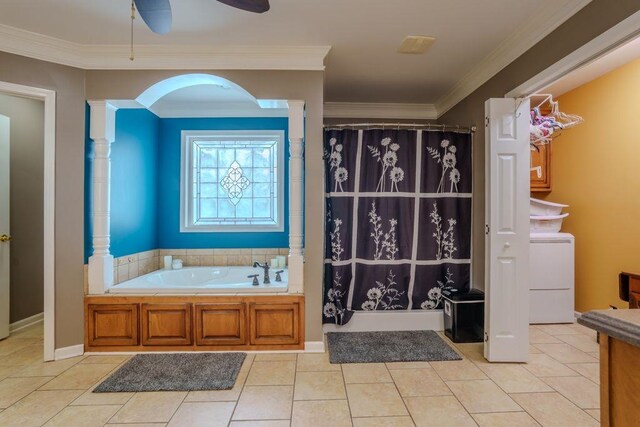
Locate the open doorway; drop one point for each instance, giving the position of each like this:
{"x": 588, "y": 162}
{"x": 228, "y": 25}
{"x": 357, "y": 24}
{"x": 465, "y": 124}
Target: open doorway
{"x": 27, "y": 139}
{"x": 22, "y": 210}
{"x": 591, "y": 169}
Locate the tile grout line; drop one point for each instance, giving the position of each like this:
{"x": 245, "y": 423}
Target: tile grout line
{"x": 393, "y": 381}
{"x": 456, "y": 397}
{"x": 114, "y": 414}
{"x": 346, "y": 393}
{"x": 177, "y": 408}
{"x": 293, "y": 391}
{"x": 244, "y": 383}
{"x": 571, "y": 400}
{"x": 91, "y": 388}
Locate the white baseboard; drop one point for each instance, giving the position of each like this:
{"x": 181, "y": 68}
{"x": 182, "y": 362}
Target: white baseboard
{"x": 314, "y": 347}
{"x": 25, "y": 323}
{"x": 68, "y": 352}
{"x": 415, "y": 320}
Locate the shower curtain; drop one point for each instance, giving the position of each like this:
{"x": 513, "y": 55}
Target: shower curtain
{"x": 398, "y": 219}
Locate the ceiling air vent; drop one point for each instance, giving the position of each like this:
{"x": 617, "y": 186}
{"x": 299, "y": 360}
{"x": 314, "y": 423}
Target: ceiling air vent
{"x": 416, "y": 44}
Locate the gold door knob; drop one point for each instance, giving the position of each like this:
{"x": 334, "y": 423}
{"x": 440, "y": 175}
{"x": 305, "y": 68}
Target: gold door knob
{"x": 5, "y": 238}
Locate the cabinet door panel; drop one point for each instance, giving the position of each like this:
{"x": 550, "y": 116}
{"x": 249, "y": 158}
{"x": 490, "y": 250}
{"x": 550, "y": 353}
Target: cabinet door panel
{"x": 274, "y": 323}
{"x": 166, "y": 324}
{"x": 112, "y": 324}
{"x": 221, "y": 324}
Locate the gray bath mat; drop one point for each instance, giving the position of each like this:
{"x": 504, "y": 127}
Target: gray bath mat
{"x": 388, "y": 346}
{"x": 175, "y": 372}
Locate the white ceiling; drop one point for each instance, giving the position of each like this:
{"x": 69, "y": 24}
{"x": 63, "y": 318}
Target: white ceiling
{"x": 362, "y": 66}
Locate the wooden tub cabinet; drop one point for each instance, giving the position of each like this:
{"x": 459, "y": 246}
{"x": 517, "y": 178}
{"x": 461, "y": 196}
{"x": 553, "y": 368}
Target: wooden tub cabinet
{"x": 196, "y": 323}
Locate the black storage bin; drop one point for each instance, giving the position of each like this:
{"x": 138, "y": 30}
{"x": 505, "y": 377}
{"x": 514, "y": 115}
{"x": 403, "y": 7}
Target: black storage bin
{"x": 464, "y": 316}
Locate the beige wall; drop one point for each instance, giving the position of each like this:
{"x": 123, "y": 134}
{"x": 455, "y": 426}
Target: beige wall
{"x": 69, "y": 85}
{"x": 69, "y": 82}
{"x": 27, "y": 204}
{"x": 304, "y": 85}
{"x": 593, "y": 20}
{"x": 595, "y": 172}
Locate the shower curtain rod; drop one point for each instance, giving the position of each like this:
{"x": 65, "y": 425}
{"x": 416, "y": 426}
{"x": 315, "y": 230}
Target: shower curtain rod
{"x": 411, "y": 126}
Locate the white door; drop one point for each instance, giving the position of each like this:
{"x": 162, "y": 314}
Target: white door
{"x": 507, "y": 230}
{"x": 4, "y": 226}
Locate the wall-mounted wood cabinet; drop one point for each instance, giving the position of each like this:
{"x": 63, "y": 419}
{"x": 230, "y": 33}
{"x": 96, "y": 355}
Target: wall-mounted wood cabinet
{"x": 156, "y": 323}
{"x": 540, "y": 175}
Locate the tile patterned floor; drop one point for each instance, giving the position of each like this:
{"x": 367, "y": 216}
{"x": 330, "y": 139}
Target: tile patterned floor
{"x": 558, "y": 387}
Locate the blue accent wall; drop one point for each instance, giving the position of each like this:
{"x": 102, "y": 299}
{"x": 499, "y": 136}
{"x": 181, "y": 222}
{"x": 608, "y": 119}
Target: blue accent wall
{"x": 169, "y": 235}
{"x": 145, "y": 184}
{"x": 134, "y": 181}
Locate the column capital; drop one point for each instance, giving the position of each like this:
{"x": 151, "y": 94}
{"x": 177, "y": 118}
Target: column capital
{"x": 102, "y": 120}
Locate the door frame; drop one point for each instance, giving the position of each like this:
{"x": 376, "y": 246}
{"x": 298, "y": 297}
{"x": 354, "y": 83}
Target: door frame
{"x": 49, "y": 98}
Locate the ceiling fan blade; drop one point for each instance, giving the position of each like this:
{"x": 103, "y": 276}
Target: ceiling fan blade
{"x": 257, "y": 6}
{"x": 156, "y": 14}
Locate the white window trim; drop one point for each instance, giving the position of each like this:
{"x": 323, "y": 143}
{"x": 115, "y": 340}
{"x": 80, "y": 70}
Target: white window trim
{"x": 186, "y": 184}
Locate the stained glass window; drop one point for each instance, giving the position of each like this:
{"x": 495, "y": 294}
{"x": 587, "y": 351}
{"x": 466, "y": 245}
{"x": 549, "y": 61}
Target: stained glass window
{"x": 234, "y": 181}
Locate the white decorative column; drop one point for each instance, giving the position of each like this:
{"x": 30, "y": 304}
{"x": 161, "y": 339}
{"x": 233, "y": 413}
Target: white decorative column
{"x": 296, "y": 196}
{"x": 102, "y": 132}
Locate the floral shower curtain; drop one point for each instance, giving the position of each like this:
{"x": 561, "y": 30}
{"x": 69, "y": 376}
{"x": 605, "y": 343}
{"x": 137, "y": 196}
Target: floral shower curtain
{"x": 398, "y": 219}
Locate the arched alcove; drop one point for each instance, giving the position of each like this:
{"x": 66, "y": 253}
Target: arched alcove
{"x": 164, "y": 87}
{"x": 178, "y": 97}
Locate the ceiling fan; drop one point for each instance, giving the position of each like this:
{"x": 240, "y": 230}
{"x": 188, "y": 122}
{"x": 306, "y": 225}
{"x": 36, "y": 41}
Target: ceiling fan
{"x": 157, "y": 13}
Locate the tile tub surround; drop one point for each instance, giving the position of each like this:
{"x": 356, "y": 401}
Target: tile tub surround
{"x": 288, "y": 389}
{"x": 131, "y": 266}
{"x": 223, "y": 257}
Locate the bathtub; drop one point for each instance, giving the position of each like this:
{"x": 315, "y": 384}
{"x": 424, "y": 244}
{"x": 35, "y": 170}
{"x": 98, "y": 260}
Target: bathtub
{"x": 202, "y": 280}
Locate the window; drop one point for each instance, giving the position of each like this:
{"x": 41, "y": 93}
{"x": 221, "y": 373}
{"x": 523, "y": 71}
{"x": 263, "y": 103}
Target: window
{"x": 232, "y": 181}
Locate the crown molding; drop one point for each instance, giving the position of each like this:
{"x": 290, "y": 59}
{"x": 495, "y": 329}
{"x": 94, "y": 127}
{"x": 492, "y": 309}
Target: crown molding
{"x": 370, "y": 110}
{"x": 527, "y": 35}
{"x": 166, "y": 57}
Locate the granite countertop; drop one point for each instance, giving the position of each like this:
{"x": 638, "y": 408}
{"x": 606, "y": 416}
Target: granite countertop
{"x": 620, "y": 324}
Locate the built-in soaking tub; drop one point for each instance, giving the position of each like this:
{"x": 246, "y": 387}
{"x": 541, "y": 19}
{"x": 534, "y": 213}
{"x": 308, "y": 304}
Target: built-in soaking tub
{"x": 202, "y": 280}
